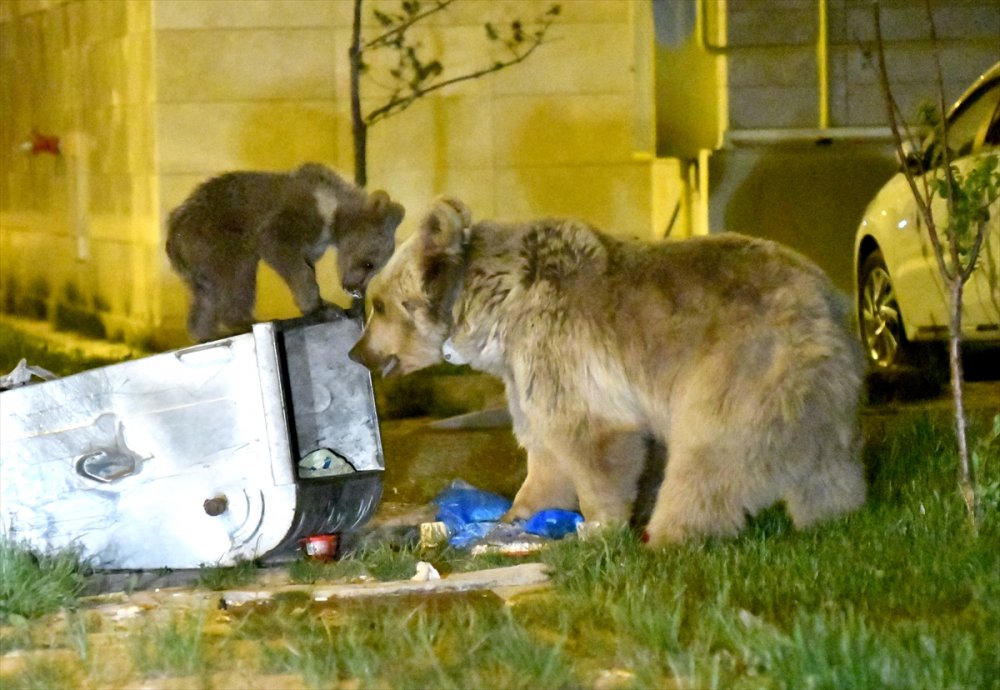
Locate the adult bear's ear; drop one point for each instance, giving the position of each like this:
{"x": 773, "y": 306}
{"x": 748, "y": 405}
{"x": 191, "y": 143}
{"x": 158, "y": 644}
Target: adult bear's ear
{"x": 444, "y": 225}
{"x": 442, "y": 233}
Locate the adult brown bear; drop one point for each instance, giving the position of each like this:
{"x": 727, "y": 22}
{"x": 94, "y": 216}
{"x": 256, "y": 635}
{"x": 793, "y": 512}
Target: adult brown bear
{"x": 734, "y": 353}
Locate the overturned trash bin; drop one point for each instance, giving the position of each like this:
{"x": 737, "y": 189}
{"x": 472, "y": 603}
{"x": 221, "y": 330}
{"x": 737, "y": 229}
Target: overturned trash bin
{"x": 226, "y": 451}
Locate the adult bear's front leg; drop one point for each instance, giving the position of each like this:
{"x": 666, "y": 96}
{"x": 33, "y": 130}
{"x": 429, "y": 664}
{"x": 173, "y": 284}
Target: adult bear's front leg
{"x": 547, "y": 486}
{"x": 604, "y": 466}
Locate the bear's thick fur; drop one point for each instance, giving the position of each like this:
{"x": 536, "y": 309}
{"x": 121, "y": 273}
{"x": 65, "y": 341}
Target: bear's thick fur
{"x": 216, "y": 238}
{"x": 734, "y": 353}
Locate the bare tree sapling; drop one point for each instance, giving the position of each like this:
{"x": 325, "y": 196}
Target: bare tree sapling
{"x": 413, "y": 74}
{"x": 968, "y": 193}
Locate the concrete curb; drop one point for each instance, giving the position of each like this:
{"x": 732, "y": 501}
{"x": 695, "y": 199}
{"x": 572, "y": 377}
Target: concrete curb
{"x": 521, "y": 575}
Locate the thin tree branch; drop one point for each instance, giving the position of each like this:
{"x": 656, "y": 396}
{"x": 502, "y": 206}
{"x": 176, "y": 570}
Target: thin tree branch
{"x": 410, "y": 73}
{"x": 358, "y": 126}
{"x": 383, "y": 39}
{"x": 949, "y": 175}
{"x": 396, "y": 105}
{"x": 923, "y": 202}
{"x": 955, "y": 279}
{"x": 977, "y": 246}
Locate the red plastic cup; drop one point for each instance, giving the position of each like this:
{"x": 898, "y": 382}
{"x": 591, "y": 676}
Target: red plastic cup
{"x": 321, "y": 547}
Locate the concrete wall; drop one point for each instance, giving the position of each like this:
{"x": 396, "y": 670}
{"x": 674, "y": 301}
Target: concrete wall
{"x": 170, "y": 92}
{"x": 774, "y": 50}
{"x": 806, "y": 143}
{"x": 246, "y": 85}
{"x": 806, "y": 195}
{"x": 80, "y": 236}
{"x": 641, "y": 117}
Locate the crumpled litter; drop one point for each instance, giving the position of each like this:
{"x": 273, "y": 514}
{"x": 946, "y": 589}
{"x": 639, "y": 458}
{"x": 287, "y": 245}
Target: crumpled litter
{"x": 22, "y": 373}
{"x": 324, "y": 462}
{"x": 472, "y": 517}
{"x": 425, "y": 572}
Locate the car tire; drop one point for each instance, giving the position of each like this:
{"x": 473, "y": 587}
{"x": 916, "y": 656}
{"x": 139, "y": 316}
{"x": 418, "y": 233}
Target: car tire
{"x": 880, "y": 322}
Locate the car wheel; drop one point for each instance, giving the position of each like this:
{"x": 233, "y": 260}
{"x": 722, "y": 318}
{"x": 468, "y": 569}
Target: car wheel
{"x": 879, "y": 319}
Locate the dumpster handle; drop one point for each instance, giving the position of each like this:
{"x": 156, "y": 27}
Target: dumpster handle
{"x": 105, "y": 466}
{"x": 203, "y": 347}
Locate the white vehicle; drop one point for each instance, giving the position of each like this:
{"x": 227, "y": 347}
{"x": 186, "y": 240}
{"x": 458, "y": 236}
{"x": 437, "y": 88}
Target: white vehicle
{"x": 902, "y": 301}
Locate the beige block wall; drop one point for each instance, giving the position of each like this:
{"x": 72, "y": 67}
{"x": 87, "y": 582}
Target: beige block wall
{"x": 180, "y": 90}
{"x": 79, "y": 228}
{"x": 247, "y": 85}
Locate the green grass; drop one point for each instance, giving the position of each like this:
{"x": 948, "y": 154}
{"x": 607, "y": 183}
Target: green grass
{"x": 384, "y": 562}
{"x": 447, "y": 641}
{"x": 304, "y": 571}
{"x": 901, "y": 594}
{"x": 175, "y": 646}
{"x": 44, "y": 675}
{"x": 230, "y": 577}
{"x": 31, "y": 586}
{"x": 16, "y": 345}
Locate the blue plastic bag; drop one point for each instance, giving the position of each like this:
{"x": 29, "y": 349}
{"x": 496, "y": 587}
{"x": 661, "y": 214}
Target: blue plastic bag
{"x": 471, "y": 514}
{"x": 470, "y": 532}
{"x": 554, "y": 523}
{"x": 462, "y": 504}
